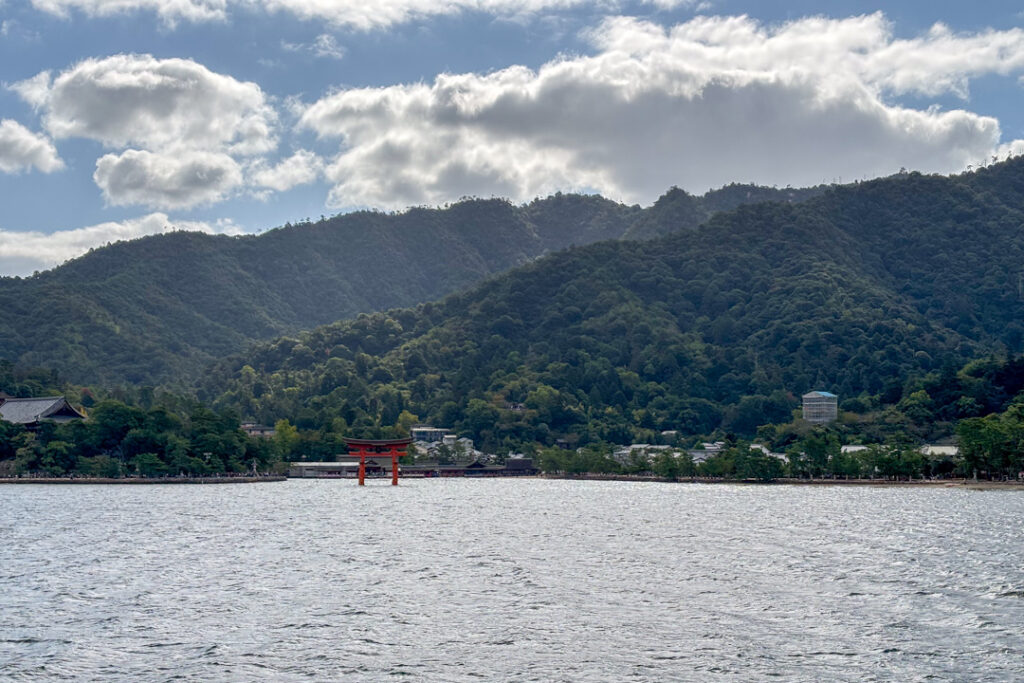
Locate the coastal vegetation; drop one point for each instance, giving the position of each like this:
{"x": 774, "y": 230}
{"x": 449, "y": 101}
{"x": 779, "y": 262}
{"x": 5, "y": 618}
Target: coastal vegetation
{"x": 816, "y": 456}
{"x": 120, "y": 440}
{"x": 171, "y": 436}
{"x": 167, "y": 435}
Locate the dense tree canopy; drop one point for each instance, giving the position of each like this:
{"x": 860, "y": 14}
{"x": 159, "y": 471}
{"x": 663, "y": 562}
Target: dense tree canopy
{"x": 157, "y": 309}
{"x": 121, "y": 440}
{"x": 859, "y": 291}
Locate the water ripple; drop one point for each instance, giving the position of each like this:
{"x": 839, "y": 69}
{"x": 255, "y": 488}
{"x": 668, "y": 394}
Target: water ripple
{"x": 524, "y": 580}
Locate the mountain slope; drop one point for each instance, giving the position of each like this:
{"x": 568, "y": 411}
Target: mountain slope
{"x": 157, "y": 309}
{"x": 677, "y": 209}
{"x": 852, "y": 291}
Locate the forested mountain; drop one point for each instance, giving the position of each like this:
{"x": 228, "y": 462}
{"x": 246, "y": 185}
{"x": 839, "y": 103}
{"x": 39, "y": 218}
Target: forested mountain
{"x": 678, "y": 209}
{"x": 853, "y": 291}
{"x": 157, "y": 309}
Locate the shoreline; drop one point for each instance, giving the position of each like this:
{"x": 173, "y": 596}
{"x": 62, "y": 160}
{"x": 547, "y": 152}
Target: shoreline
{"x": 965, "y": 484}
{"x": 141, "y": 480}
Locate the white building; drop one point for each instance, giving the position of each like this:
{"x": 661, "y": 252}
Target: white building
{"x": 459, "y": 447}
{"x": 940, "y": 451}
{"x": 622, "y": 454}
{"x": 820, "y": 407}
{"x": 428, "y": 433}
{"x": 761, "y": 448}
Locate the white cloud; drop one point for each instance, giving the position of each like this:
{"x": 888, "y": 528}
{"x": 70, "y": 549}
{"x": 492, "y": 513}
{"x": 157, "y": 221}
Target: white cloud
{"x": 701, "y": 104}
{"x": 22, "y": 150}
{"x": 138, "y": 100}
{"x": 1007, "y": 150}
{"x": 383, "y": 13}
{"x": 324, "y": 46}
{"x": 17, "y": 31}
{"x": 859, "y": 49}
{"x": 168, "y": 10}
{"x": 167, "y": 181}
{"x": 358, "y": 14}
{"x": 186, "y": 126}
{"x": 34, "y": 90}
{"x": 22, "y": 253}
{"x": 301, "y": 168}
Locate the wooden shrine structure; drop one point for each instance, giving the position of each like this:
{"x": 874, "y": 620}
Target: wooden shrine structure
{"x": 375, "y": 448}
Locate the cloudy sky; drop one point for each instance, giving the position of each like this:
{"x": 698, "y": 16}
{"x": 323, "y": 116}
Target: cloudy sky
{"x": 120, "y": 118}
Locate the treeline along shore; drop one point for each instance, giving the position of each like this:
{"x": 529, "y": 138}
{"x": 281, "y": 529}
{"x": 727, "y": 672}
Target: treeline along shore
{"x": 960, "y": 484}
{"x": 141, "y": 480}
{"x": 122, "y": 442}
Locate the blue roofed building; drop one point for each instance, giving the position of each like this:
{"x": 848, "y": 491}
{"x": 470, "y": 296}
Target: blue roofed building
{"x": 820, "y": 407}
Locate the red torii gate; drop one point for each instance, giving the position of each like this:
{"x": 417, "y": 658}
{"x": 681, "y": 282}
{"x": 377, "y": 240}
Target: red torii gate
{"x": 363, "y": 448}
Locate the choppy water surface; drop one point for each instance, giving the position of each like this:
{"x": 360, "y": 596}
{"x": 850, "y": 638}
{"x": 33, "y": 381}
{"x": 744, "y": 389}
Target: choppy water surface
{"x": 510, "y": 580}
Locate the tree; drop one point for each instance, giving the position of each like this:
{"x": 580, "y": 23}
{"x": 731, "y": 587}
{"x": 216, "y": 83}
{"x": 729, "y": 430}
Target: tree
{"x": 993, "y": 444}
{"x": 102, "y": 466}
{"x": 551, "y": 460}
{"x": 445, "y": 455}
{"x": 286, "y": 437}
{"x": 481, "y": 416}
{"x": 819, "y": 448}
{"x": 666, "y": 466}
{"x": 28, "y": 453}
{"x": 845, "y": 465}
{"x": 405, "y": 422}
{"x": 58, "y": 458}
{"x": 149, "y": 464}
{"x": 721, "y": 465}
{"x": 753, "y": 464}
{"x": 109, "y": 422}
{"x": 918, "y": 407}
{"x": 637, "y": 463}
{"x": 8, "y": 432}
{"x": 687, "y": 468}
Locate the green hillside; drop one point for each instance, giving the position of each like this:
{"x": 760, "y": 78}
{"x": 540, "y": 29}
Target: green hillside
{"x": 678, "y": 209}
{"x": 854, "y": 291}
{"x": 156, "y": 310}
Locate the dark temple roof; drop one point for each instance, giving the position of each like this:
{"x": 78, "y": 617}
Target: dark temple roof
{"x": 32, "y": 410}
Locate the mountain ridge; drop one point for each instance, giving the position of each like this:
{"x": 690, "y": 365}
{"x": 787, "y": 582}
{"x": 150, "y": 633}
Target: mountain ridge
{"x": 156, "y": 309}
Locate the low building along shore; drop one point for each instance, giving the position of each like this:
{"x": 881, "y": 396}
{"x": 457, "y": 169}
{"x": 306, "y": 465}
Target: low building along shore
{"x": 381, "y": 467}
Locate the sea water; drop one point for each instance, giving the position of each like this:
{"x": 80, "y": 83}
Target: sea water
{"x": 510, "y": 580}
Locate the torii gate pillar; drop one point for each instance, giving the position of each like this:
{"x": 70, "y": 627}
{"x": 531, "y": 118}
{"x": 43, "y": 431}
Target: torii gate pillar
{"x": 364, "y": 448}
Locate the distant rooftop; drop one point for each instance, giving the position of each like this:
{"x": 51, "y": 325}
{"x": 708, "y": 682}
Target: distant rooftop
{"x": 823, "y": 394}
{"x": 31, "y": 410}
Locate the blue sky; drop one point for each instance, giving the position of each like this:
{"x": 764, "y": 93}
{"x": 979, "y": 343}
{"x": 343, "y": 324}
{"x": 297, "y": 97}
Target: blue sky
{"x": 120, "y": 118}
